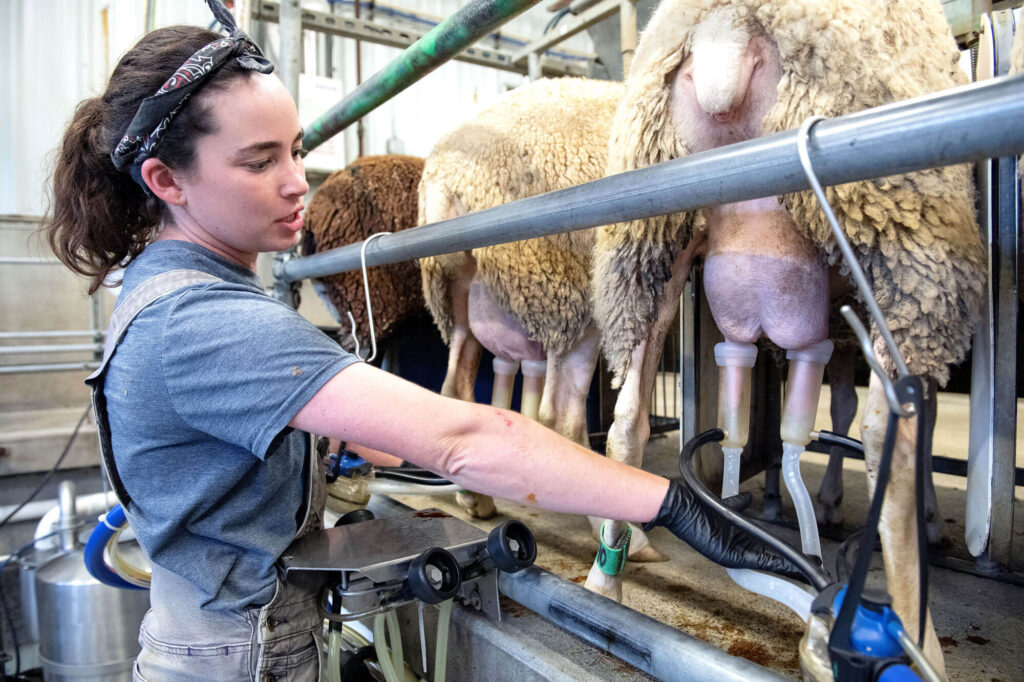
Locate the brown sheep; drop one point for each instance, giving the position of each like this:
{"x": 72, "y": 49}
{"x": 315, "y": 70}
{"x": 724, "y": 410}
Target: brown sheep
{"x": 372, "y": 194}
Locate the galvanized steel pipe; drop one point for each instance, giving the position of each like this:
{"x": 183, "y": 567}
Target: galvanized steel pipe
{"x": 657, "y": 649}
{"x": 950, "y": 127}
{"x": 290, "y": 53}
{"x": 48, "y": 334}
{"x": 55, "y": 367}
{"x": 441, "y": 43}
{"x": 28, "y": 260}
{"x": 64, "y": 348}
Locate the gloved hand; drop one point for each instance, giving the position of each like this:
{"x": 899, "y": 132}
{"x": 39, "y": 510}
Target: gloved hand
{"x": 691, "y": 521}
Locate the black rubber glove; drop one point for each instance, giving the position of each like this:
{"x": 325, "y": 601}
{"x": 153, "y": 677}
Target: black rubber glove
{"x": 714, "y": 537}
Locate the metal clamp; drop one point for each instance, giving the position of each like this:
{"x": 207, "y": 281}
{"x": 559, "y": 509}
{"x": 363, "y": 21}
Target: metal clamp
{"x": 860, "y": 279}
{"x": 283, "y": 290}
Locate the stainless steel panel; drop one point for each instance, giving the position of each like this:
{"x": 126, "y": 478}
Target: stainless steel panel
{"x": 381, "y": 549}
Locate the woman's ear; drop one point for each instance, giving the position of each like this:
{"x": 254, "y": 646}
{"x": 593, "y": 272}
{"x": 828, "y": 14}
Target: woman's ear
{"x": 161, "y": 181}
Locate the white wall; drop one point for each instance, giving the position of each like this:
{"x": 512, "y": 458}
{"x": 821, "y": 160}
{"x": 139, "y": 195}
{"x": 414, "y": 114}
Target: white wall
{"x": 58, "y": 52}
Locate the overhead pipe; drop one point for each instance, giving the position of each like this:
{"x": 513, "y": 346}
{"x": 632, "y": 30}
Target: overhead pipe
{"x": 440, "y": 44}
{"x": 953, "y": 126}
{"x": 655, "y": 648}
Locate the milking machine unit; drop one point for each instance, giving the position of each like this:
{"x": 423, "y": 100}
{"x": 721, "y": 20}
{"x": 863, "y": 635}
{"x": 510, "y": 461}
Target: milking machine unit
{"x": 368, "y": 567}
{"x": 853, "y": 634}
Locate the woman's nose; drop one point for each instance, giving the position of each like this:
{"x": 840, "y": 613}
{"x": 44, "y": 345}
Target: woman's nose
{"x": 295, "y": 181}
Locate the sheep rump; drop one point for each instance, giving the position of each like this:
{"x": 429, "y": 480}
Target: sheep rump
{"x": 372, "y": 194}
{"x": 915, "y": 234}
{"x": 546, "y": 136}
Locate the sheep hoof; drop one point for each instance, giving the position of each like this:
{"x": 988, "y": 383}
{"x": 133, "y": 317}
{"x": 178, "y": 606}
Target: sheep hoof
{"x": 828, "y": 516}
{"x": 603, "y": 584}
{"x": 476, "y": 505}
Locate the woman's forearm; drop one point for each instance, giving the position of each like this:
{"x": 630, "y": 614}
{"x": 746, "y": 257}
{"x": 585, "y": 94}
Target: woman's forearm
{"x": 504, "y": 454}
{"x": 483, "y": 448}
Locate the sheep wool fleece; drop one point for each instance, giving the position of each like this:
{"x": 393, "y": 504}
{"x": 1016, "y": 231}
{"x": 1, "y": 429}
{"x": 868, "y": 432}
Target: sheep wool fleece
{"x": 545, "y": 136}
{"x": 372, "y": 194}
{"x": 915, "y": 234}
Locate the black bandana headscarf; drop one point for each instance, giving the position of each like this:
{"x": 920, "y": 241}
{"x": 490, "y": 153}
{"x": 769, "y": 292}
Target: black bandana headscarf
{"x": 156, "y": 112}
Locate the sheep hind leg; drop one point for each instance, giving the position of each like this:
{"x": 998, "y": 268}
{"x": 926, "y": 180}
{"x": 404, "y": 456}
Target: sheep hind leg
{"x": 843, "y": 409}
{"x": 631, "y": 428}
{"x": 459, "y": 380}
{"x": 936, "y": 527}
{"x": 476, "y": 505}
{"x": 564, "y": 409}
{"x": 897, "y": 526}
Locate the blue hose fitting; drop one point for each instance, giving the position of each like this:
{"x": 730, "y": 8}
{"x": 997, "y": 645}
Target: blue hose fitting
{"x": 110, "y": 523}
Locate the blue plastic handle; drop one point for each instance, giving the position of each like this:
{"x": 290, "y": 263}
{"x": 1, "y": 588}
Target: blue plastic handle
{"x": 898, "y": 673}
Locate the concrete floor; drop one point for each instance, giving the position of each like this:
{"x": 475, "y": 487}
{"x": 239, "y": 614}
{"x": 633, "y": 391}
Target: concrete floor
{"x": 979, "y": 620}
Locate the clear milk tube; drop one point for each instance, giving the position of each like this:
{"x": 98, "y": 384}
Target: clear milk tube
{"x": 803, "y": 389}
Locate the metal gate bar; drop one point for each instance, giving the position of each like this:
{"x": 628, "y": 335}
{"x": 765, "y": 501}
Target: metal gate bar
{"x": 950, "y": 127}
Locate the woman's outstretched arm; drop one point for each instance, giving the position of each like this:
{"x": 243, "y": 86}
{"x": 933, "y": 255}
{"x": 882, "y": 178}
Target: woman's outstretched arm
{"x": 486, "y": 449}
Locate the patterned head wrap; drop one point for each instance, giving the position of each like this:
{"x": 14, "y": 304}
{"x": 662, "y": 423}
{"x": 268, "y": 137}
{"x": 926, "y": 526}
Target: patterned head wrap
{"x": 156, "y": 112}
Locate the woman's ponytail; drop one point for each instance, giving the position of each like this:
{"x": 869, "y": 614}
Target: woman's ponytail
{"x": 99, "y": 218}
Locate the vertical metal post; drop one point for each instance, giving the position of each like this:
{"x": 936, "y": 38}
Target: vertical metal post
{"x": 533, "y": 66}
{"x": 991, "y": 456}
{"x": 243, "y": 15}
{"x": 290, "y": 30}
{"x": 290, "y": 27}
{"x": 96, "y": 323}
{"x": 688, "y": 362}
{"x": 627, "y": 34}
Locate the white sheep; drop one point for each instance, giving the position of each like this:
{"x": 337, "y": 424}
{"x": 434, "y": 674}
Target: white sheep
{"x": 527, "y": 302}
{"x": 712, "y": 72}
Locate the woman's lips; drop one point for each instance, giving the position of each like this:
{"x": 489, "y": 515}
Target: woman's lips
{"x": 292, "y": 222}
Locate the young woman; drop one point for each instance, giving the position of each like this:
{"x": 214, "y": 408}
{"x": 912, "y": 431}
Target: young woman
{"x": 186, "y": 168}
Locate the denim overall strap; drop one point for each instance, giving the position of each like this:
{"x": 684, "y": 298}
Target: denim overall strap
{"x": 280, "y": 641}
{"x": 287, "y": 626}
{"x": 146, "y": 293}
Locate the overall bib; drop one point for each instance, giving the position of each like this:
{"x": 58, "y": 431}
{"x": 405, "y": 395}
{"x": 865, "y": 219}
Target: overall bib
{"x": 180, "y": 641}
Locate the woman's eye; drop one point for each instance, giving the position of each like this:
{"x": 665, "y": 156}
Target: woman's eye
{"x": 299, "y": 153}
{"x": 259, "y": 165}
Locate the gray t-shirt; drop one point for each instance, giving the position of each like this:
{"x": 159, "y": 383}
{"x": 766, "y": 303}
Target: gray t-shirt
{"x": 199, "y": 395}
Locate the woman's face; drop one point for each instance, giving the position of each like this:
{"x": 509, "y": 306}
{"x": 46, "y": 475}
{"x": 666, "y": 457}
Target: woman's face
{"x": 244, "y": 194}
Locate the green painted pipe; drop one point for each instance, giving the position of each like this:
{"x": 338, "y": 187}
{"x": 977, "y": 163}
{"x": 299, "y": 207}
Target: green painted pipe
{"x": 444, "y": 41}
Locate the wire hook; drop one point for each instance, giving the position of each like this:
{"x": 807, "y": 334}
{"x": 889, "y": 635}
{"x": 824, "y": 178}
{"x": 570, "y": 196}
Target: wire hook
{"x": 859, "y": 278}
{"x": 366, "y": 290}
{"x": 352, "y": 334}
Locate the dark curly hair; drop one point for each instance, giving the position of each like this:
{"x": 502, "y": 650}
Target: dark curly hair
{"x": 99, "y": 219}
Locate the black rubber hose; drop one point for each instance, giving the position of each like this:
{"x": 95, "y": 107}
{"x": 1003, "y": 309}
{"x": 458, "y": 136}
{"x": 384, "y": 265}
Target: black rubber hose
{"x": 814, "y": 574}
{"x": 420, "y": 480}
{"x": 413, "y": 470}
{"x": 829, "y": 438}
